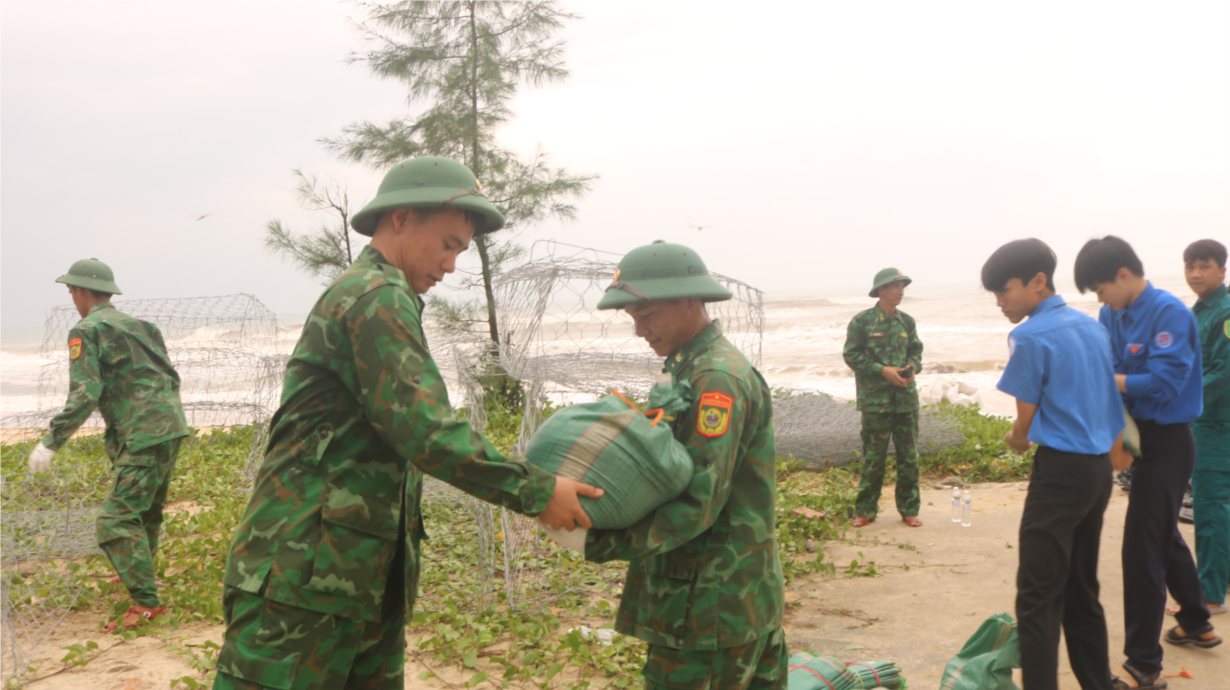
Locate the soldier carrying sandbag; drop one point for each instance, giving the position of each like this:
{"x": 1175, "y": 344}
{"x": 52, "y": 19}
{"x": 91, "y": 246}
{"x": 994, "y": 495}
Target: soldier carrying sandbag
{"x": 704, "y": 584}
{"x": 324, "y": 566}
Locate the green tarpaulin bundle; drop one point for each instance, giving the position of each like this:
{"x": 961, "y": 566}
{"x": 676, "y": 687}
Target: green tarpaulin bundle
{"x": 987, "y": 659}
{"x": 614, "y": 446}
{"x": 877, "y": 674}
{"x": 811, "y": 672}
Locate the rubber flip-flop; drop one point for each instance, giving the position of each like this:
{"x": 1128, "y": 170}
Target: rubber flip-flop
{"x": 1192, "y": 638}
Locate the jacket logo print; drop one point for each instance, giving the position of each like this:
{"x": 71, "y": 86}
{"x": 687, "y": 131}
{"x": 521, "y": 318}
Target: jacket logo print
{"x": 74, "y": 349}
{"x": 1134, "y": 347}
{"x": 1164, "y": 340}
{"x": 713, "y": 418}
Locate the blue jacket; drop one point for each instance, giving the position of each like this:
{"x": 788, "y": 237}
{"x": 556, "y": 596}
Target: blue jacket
{"x": 1154, "y": 341}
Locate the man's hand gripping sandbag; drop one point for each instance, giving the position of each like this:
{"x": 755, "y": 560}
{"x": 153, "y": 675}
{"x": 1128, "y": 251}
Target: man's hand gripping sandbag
{"x": 613, "y": 445}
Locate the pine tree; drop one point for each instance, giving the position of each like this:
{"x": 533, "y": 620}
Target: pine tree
{"x": 462, "y": 63}
{"x": 327, "y": 252}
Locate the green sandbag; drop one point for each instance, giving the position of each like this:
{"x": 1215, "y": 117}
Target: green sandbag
{"x": 877, "y": 674}
{"x": 810, "y": 672}
{"x": 614, "y": 446}
{"x": 987, "y": 659}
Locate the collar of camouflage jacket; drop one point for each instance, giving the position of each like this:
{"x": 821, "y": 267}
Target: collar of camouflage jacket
{"x": 371, "y": 257}
{"x": 105, "y": 304}
{"x": 690, "y": 349}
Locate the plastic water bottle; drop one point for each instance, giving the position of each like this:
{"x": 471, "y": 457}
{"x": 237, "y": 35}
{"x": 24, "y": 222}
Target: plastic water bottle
{"x": 967, "y": 509}
{"x": 956, "y": 504}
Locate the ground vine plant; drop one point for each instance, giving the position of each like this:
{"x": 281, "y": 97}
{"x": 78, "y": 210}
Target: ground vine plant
{"x": 505, "y": 647}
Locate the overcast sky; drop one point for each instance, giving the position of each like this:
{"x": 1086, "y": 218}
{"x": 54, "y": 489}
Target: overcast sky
{"x": 822, "y": 141}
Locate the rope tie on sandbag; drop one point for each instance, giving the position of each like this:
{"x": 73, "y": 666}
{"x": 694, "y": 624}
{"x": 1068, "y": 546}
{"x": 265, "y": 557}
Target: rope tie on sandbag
{"x": 657, "y": 413}
{"x": 813, "y": 672}
{"x": 872, "y": 668}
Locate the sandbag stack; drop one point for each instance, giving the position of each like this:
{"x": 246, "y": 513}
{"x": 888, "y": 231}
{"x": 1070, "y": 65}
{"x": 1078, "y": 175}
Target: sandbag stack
{"x": 811, "y": 672}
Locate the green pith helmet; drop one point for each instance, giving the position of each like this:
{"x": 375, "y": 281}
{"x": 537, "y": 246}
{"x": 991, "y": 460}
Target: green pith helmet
{"x": 92, "y": 274}
{"x": 429, "y": 182}
{"x": 661, "y": 271}
{"x": 888, "y": 275}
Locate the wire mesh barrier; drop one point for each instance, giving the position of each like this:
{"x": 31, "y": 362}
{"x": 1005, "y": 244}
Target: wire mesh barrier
{"x": 823, "y": 432}
{"x": 227, "y": 353}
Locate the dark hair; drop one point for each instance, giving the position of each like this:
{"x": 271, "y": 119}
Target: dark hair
{"x": 1022, "y": 259}
{"x": 1205, "y": 249}
{"x": 474, "y": 218}
{"x": 1099, "y": 261}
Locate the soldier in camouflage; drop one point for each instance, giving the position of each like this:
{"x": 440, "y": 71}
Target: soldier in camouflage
{"x": 118, "y": 365}
{"x": 324, "y": 565}
{"x": 704, "y": 585}
{"x": 883, "y": 349}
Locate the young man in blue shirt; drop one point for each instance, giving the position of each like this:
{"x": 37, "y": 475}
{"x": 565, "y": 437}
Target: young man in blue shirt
{"x": 1060, "y": 372}
{"x": 1157, "y": 370}
{"x": 1205, "y": 269}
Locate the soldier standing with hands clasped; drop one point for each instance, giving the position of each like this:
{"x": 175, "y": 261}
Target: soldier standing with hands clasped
{"x": 119, "y": 366}
{"x": 325, "y": 562}
{"x": 883, "y": 349}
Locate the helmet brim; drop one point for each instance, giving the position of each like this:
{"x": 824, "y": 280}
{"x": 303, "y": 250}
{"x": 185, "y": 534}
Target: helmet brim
{"x": 875, "y": 291}
{"x": 90, "y": 283}
{"x": 692, "y": 287}
{"x": 364, "y": 222}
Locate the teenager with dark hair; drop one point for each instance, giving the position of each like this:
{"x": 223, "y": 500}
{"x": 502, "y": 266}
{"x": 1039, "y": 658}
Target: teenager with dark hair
{"x": 1157, "y": 370}
{"x": 1060, "y": 372}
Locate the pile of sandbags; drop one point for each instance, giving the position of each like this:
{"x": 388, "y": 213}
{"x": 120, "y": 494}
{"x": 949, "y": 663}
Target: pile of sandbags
{"x": 810, "y": 672}
{"x": 613, "y": 445}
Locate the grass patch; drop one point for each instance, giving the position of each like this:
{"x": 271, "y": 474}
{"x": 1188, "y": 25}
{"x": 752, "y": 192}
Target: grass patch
{"x": 498, "y": 643}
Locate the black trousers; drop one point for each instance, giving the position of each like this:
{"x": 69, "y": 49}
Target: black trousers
{"x": 1057, "y": 580}
{"x": 1155, "y": 557}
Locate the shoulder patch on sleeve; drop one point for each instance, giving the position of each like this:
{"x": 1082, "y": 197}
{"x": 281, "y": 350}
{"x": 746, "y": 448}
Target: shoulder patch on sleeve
{"x": 1226, "y": 328}
{"x": 74, "y": 348}
{"x": 713, "y": 418}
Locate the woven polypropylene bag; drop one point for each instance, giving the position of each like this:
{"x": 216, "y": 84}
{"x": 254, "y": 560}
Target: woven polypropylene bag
{"x": 614, "y": 446}
{"x": 987, "y": 659}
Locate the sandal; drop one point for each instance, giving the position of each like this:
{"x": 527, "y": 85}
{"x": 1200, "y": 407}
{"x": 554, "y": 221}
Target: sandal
{"x": 1150, "y": 681}
{"x": 135, "y": 616}
{"x": 912, "y": 520}
{"x": 1192, "y": 637}
{"x": 861, "y": 522}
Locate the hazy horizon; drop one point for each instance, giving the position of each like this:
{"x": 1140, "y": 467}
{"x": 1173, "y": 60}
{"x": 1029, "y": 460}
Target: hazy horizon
{"x": 817, "y": 143}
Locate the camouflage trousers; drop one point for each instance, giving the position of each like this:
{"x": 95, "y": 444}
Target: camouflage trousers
{"x": 878, "y": 429}
{"x": 131, "y": 517}
{"x": 272, "y": 645}
{"x": 760, "y": 665}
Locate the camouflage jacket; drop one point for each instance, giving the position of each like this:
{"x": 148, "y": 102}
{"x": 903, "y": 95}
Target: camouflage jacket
{"x": 875, "y": 341}
{"x": 119, "y": 366}
{"x": 364, "y": 414}
{"x": 704, "y": 570}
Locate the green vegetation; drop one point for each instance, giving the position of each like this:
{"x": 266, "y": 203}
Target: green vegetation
{"x": 496, "y": 643}
{"x": 982, "y": 456}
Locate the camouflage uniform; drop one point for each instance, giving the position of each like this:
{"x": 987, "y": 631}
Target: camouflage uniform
{"x": 325, "y": 562}
{"x": 874, "y": 341}
{"x": 704, "y": 585}
{"x": 119, "y": 366}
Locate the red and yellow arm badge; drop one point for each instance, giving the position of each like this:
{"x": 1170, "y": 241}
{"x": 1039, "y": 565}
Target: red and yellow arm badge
{"x": 713, "y": 419}
{"x": 74, "y": 348}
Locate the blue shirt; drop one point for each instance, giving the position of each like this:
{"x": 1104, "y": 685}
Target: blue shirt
{"x": 1154, "y": 341}
{"x": 1060, "y": 360}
